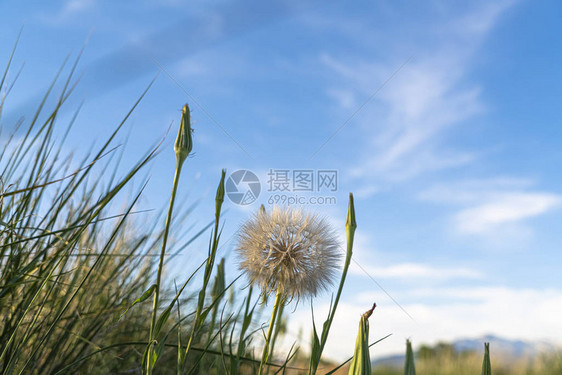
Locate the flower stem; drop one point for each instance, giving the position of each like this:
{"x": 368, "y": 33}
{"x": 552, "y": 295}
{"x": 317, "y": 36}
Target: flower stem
{"x": 150, "y": 354}
{"x": 318, "y": 347}
{"x": 265, "y": 354}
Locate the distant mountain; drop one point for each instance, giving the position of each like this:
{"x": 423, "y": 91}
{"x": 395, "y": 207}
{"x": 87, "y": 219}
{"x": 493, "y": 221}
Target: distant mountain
{"x": 498, "y": 345}
{"x": 504, "y": 347}
{"x": 396, "y": 360}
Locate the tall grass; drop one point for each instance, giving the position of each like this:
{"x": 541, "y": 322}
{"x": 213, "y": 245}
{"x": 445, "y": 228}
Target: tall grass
{"x": 67, "y": 262}
{"x": 71, "y": 263}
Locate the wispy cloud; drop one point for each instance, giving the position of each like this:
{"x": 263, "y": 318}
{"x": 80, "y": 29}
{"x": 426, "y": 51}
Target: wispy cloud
{"x": 344, "y": 98}
{"x": 471, "y": 190}
{"x": 73, "y": 6}
{"x": 416, "y": 271}
{"x": 479, "y": 23}
{"x": 69, "y": 9}
{"x": 431, "y": 94}
{"x": 506, "y": 208}
{"x": 387, "y": 268}
{"x": 490, "y": 204}
{"x": 406, "y": 136}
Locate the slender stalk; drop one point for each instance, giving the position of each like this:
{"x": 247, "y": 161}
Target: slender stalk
{"x": 182, "y": 148}
{"x": 160, "y": 267}
{"x": 276, "y": 330}
{"x": 350, "y": 227}
{"x": 265, "y": 354}
{"x": 318, "y": 346}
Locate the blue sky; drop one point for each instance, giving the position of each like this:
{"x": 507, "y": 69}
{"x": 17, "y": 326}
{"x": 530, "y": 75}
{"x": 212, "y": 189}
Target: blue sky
{"x": 440, "y": 116}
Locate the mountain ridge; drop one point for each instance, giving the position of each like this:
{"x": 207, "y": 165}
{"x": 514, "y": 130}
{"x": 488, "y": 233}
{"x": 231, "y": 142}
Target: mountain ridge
{"x": 499, "y": 346}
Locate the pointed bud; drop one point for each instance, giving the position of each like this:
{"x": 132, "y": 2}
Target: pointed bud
{"x": 361, "y": 363}
{"x": 350, "y": 226}
{"x": 220, "y": 192}
{"x": 184, "y": 142}
{"x": 350, "y": 222}
{"x": 486, "y": 364}
{"x": 409, "y": 366}
{"x": 219, "y": 285}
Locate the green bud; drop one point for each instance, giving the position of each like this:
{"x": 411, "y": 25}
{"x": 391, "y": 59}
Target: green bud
{"x": 350, "y": 222}
{"x": 486, "y": 364}
{"x": 409, "y": 367}
{"x": 350, "y": 226}
{"x": 220, "y": 192}
{"x": 184, "y": 142}
{"x": 219, "y": 285}
{"x": 361, "y": 363}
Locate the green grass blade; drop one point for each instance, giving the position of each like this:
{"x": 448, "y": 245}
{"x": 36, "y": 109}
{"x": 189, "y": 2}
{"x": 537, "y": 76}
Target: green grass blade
{"x": 409, "y": 366}
{"x": 486, "y": 364}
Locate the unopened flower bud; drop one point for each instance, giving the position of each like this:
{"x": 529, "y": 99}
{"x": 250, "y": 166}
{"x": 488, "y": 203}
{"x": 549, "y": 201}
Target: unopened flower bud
{"x": 184, "y": 142}
{"x": 219, "y": 198}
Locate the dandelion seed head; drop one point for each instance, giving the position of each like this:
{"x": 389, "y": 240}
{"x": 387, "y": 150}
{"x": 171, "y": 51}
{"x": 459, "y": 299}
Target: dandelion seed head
{"x": 289, "y": 251}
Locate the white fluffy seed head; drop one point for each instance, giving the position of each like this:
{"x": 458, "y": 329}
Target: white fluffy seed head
{"x": 289, "y": 251}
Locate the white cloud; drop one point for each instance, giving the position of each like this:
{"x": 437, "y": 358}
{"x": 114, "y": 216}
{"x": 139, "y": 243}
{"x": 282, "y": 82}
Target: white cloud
{"x": 387, "y": 267}
{"x": 74, "y": 6}
{"x": 421, "y": 102}
{"x": 469, "y": 191}
{"x": 506, "y": 208}
{"x": 528, "y": 314}
{"x": 69, "y": 9}
{"x": 476, "y": 24}
{"x": 409, "y": 271}
{"x": 344, "y": 98}
{"x": 429, "y": 95}
{"x": 191, "y": 68}
{"x": 365, "y": 191}
{"x": 488, "y": 206}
